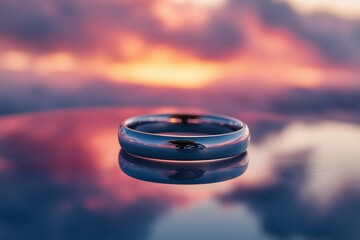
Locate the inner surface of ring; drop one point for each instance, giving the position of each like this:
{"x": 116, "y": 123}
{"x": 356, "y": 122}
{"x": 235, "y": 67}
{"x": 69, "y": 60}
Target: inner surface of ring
{"x": 186, "y": 125}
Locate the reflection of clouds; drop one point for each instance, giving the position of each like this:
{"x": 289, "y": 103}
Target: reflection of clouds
{"x": 54, "y": 185}
{"x": 59, "y": 178}
{"x": 33, "y": 205}
{"x": 284, "y": 212}
{"x": 333, "y": 159}
{"x": 208, "y": 220}
{"x": 310, "y": 186}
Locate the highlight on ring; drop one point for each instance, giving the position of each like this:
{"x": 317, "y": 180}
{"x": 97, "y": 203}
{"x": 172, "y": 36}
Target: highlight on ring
{"x": 185, "y": 137}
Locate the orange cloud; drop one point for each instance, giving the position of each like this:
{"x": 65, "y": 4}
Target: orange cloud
{"x": 165, "y": 67}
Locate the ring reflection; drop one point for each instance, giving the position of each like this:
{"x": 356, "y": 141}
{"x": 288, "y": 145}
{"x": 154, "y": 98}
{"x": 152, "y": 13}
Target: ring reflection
{"x": 183, "y": 172}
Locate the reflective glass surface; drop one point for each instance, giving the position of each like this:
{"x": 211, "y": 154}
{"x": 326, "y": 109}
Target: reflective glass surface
{"x": 61, "y": 178}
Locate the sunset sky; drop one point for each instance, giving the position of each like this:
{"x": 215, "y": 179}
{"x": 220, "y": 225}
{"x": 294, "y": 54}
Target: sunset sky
{"x": 72, "y": 70}
{"x": 259, "y": 47}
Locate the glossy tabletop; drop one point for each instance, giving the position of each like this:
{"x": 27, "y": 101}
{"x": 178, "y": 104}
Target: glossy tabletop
{"x": 61, "y": 178}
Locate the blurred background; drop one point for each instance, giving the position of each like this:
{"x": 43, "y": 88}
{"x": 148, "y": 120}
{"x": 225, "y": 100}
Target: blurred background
{"x": 287, "y": 57}
{"x": 290, "y": 69}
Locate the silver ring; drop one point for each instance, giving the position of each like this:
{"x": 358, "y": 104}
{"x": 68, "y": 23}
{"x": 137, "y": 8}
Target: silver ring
{"x": 182, "y": 172}
{"x": 184, "y": 136}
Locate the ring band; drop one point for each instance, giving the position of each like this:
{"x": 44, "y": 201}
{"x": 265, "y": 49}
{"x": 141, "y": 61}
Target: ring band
{"x": 184, "y": 136}
{"x": 182, "y": 172}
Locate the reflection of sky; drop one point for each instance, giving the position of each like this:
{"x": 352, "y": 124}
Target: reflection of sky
{"x": 60, "y": 179}
{"x": 208, "y": 220}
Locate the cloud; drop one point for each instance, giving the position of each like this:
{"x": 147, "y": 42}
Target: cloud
{"x": 219, "y": 38}
{"x": 42, "y": 26}
{"x": 306, "y": 101}
{"x": 87, "y": 26}
{"x": 17, "y": 96}
{"x": 337, "y": 39}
